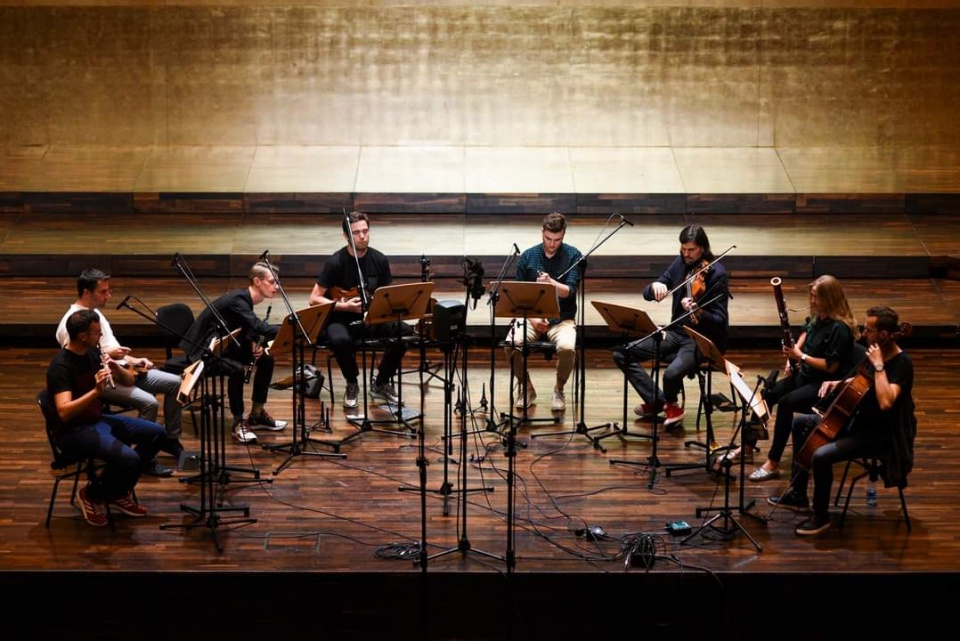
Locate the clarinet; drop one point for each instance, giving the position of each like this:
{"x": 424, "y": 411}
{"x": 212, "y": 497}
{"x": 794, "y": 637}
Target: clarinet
{"x": 260, "y": 342}
{"x": 787, "y": 339}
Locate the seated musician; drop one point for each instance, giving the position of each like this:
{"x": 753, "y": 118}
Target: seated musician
{"x": 355, "y": 271}
{"x": 705, "y": 295}
{"x": 823, "y": 352}
{"x": 551, "y": 261}
{"x": 884, "y": 425}
{"x": 236, "y": 308}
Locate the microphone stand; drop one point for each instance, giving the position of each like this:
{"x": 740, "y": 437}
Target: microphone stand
{"x": 580, "y": 382}
{"x": 301, "y": 440}
{"x": 214, "y": 474}
{"x": 492, "y": 424}
{"x": 223, "y": 332}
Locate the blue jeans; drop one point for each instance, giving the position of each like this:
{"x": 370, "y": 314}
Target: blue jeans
{"x": 111, "y": 441}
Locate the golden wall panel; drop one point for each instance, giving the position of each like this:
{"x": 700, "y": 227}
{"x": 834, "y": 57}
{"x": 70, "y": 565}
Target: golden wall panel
{"x": 634, "y": 74}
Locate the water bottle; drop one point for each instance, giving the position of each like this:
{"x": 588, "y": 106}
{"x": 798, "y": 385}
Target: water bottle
{"x": 872, "y": 494}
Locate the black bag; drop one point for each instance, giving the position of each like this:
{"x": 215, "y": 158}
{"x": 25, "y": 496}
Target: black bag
{"x": 312, "y": 381}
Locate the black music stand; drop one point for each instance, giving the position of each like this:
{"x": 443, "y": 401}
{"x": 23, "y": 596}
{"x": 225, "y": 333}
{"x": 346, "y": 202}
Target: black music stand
{"x": 392, "y": 303}
{"x": 213, "y": 472}
{"x": 291, "y": 339}
{"x": 751, "y": 401}
{"x": 525, "y": 300}
{"x": 712, "y": 356}
{"x": 628, "y": 322}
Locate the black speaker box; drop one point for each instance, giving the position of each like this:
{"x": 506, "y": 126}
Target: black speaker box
{"x": 449, "y": 320}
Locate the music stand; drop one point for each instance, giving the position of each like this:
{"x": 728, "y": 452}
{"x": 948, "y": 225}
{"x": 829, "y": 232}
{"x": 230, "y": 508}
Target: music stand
{"x": 213, "y": 472}
{"x": 751, "y": 400}
{"x": 289, "y": 338}
{"x": 628, "y": 322}
{"x": 521, "y": 299}
{"x": 392, "y": 303}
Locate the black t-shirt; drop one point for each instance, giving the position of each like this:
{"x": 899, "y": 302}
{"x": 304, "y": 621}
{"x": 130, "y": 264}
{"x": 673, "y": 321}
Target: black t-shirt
{"x": 76, "y": 373}
{"x": 340, "y": 271}
{"x": 899, "y": 371}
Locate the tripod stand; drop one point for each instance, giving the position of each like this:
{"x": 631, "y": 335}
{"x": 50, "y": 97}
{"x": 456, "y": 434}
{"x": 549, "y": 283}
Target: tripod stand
{"x": 653, "y": 461}
{"x": 213, "y": 472}
{"x": 463, "y": 541}
{"x": 394, "y": 303}
{"x": 298, "y": 329}
{"x": 730, "y": 523}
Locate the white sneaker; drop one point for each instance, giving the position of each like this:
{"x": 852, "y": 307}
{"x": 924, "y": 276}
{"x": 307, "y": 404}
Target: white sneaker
{"x": 530, "y": 400}
{"x": 242, "y": 434}
{"x": 559, "y": 402}
{"x": 351, "y": 395}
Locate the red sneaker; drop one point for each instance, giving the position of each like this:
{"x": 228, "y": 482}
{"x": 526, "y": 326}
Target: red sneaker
{"x": 674, "y": 414}
{"x": 94, "y": 512}
{"x": 129, "y": 506}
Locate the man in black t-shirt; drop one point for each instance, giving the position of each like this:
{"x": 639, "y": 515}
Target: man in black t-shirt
{"x": 76, "y": 379}
{"x": 348, "y": 280}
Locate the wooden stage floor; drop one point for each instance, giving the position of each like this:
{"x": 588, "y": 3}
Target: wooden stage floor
{"x": 334, "y": 541}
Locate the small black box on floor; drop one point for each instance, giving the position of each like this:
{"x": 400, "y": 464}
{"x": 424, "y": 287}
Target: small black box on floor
{"x": 449, "y": 320}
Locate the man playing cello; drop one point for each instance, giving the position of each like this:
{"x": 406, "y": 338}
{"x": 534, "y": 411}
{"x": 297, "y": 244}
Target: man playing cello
{"x": 884, "y": 425}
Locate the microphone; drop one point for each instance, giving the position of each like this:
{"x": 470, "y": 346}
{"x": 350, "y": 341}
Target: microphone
{"x": 124, "y": 302}
{"x": 622, "y": 219}
{"x": 176, "y": 260}
{"x": 265, "y": 255}
{"x": 516, "y": 250}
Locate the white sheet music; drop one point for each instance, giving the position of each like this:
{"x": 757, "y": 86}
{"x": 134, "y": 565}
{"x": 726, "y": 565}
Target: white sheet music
{"x": 757, "y": 404}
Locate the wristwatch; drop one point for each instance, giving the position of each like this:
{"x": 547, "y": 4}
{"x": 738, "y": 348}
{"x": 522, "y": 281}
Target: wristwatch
{"x": 879, "y": 367}
{"x": 803, "y": 358}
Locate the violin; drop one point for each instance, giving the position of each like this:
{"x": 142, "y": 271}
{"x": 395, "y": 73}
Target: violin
{"x": 698, "y": 286}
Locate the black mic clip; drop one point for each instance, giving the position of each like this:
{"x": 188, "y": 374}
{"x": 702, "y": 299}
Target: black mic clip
{"x": 124, "y": 302}
{"x": 624, "y": 220}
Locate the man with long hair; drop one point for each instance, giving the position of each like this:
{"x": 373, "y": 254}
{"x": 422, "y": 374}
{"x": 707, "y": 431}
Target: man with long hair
{"x": 702, "y": 307}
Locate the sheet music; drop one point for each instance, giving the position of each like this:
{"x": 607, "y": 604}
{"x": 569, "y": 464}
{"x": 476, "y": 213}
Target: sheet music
{"x": 757, "y": 404}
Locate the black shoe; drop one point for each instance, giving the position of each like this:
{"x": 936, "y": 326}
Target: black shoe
{"x": 174, "y": 448}
{"x": 813, "y": 525}
{"x": 154, "y": 468}
{"x": 792, "y": 500}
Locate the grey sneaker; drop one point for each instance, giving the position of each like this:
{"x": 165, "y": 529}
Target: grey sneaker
{"x": 351, "y": 395}
{"x": 385, "y": 393}
{"x": 523, "y": 402}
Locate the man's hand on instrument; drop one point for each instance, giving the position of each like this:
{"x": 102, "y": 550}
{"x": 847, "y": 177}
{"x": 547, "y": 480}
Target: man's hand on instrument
{"x": 827, "y": 387}
{"x": 688, "y": 304}
{"x": 354, "y": 305}
{"x": 659, "y": 290}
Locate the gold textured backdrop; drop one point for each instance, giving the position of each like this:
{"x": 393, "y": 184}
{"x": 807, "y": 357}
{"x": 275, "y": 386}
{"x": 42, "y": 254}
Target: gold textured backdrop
{"x": 541, "y": 74}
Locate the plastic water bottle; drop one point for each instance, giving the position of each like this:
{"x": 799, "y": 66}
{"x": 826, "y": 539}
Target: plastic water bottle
{"x": 872, "y": 494}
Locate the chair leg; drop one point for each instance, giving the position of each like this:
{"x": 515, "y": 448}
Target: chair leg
{"x": 843, "y": 480}
{"x": 903, "y": 506}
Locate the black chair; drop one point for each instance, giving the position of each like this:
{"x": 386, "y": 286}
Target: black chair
{"x": 174, "y": 320}
{"x": 871, "y": 467}
{"x": 64, "y": 465}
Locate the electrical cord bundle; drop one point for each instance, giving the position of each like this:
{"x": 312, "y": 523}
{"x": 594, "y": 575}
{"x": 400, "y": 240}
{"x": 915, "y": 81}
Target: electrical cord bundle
{"x": 643, "y": 550}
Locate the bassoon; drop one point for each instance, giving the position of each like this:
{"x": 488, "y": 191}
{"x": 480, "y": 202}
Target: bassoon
{"x": 787, "y": 338}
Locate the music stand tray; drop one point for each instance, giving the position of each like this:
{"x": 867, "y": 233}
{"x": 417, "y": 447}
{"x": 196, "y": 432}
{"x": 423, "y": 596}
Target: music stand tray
{"x": 625, "y": 320}
{"x": 312, "y": 319}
